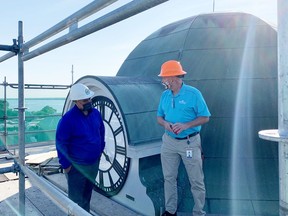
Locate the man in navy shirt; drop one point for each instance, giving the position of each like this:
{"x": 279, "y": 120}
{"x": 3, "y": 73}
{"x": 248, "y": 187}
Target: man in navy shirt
{"x": 80, "y": 143}
{"x": 181, "y": 111}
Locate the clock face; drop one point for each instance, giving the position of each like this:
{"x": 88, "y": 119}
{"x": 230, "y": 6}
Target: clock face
{"x": 114, "y": 163}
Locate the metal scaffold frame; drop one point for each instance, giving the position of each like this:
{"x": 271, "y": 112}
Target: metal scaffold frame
{"x": 132, "y": 8}
{"x": 22, "y": 50}
{"x": 5, "y": 117}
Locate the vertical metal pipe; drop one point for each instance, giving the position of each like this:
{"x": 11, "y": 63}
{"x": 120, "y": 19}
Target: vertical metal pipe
{"x": 21, "y": 120}
{"x": 72, "y": 74}
{"x": 5, "y": 113}
{"x": 283, "y": 104}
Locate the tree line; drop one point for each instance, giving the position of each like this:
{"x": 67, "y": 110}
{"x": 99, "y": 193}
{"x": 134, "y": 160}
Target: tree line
{"x": 46, "y": 110}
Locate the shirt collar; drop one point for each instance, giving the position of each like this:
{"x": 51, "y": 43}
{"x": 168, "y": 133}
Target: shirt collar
{"x": 182, "y": 89}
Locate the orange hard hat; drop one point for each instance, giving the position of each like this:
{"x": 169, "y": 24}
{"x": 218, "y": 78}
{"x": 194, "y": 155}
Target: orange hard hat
{"x": 171, "y": 68}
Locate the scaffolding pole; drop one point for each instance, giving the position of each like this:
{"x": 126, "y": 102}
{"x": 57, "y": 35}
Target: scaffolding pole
{"x": 281, "y": 135}
{"x": 55, "y": 194}
{"x": 117, "y": 15}
{"x": 21, "y": 120}
{"x": 126, "y": 11}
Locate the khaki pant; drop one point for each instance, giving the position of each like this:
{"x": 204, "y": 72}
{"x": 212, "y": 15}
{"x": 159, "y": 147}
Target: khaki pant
{"x": 172, "y": 151}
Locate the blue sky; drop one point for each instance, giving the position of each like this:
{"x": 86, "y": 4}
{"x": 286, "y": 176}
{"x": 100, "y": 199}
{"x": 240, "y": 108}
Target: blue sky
{"x": 103, "y": 52}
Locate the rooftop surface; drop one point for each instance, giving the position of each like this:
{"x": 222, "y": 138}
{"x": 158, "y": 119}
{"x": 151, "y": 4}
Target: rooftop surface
{"x": 37, "y": 202}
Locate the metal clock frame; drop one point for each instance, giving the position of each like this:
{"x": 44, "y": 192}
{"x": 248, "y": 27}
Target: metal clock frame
{"x": 105, "y": 182}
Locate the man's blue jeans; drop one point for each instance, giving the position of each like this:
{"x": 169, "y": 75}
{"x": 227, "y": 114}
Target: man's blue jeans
{"x": 81, "y": 180}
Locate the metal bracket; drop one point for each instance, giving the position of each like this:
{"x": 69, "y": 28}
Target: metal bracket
{"x": 16, "y": 167}
{"x": 14, "y": 48}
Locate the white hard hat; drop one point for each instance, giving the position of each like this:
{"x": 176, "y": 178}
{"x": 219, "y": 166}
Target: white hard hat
{"x": 80, "y": 92}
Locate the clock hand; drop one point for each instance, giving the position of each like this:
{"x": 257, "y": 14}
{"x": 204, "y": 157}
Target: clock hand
{"x": 107, "y": 157}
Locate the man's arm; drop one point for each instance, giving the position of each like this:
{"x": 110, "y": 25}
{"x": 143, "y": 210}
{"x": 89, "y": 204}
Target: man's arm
{"x": 62, "y": 141}
{"x": 167, "y": 125}
{"x": 179, "y": 127}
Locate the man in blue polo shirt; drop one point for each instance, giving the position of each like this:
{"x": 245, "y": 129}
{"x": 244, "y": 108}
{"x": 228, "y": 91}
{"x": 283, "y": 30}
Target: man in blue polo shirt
{"x": 80, "y": 143}
{"x": 181, "y": 111}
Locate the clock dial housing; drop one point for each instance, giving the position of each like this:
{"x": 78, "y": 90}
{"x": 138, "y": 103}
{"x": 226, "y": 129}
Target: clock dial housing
{"x": 114, "y": 163}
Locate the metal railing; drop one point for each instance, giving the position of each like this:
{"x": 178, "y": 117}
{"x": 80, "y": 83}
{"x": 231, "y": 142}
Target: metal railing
{"x": 132, "y": 8}
{"x": 34, "y": 132}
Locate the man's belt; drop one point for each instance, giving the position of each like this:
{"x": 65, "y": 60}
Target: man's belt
{"x": 187, "y": 137}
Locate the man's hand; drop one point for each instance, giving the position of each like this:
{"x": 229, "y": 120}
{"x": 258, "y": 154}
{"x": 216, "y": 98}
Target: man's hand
{"x": 168, "y": 126}
{"x": 67, "y": 170}
{"x": 178, "y": 127}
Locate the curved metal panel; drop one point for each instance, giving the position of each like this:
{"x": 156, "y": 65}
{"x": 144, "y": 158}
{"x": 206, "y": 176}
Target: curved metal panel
{"x": 137, "y": 100}
{"x": 232, "y": 59}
